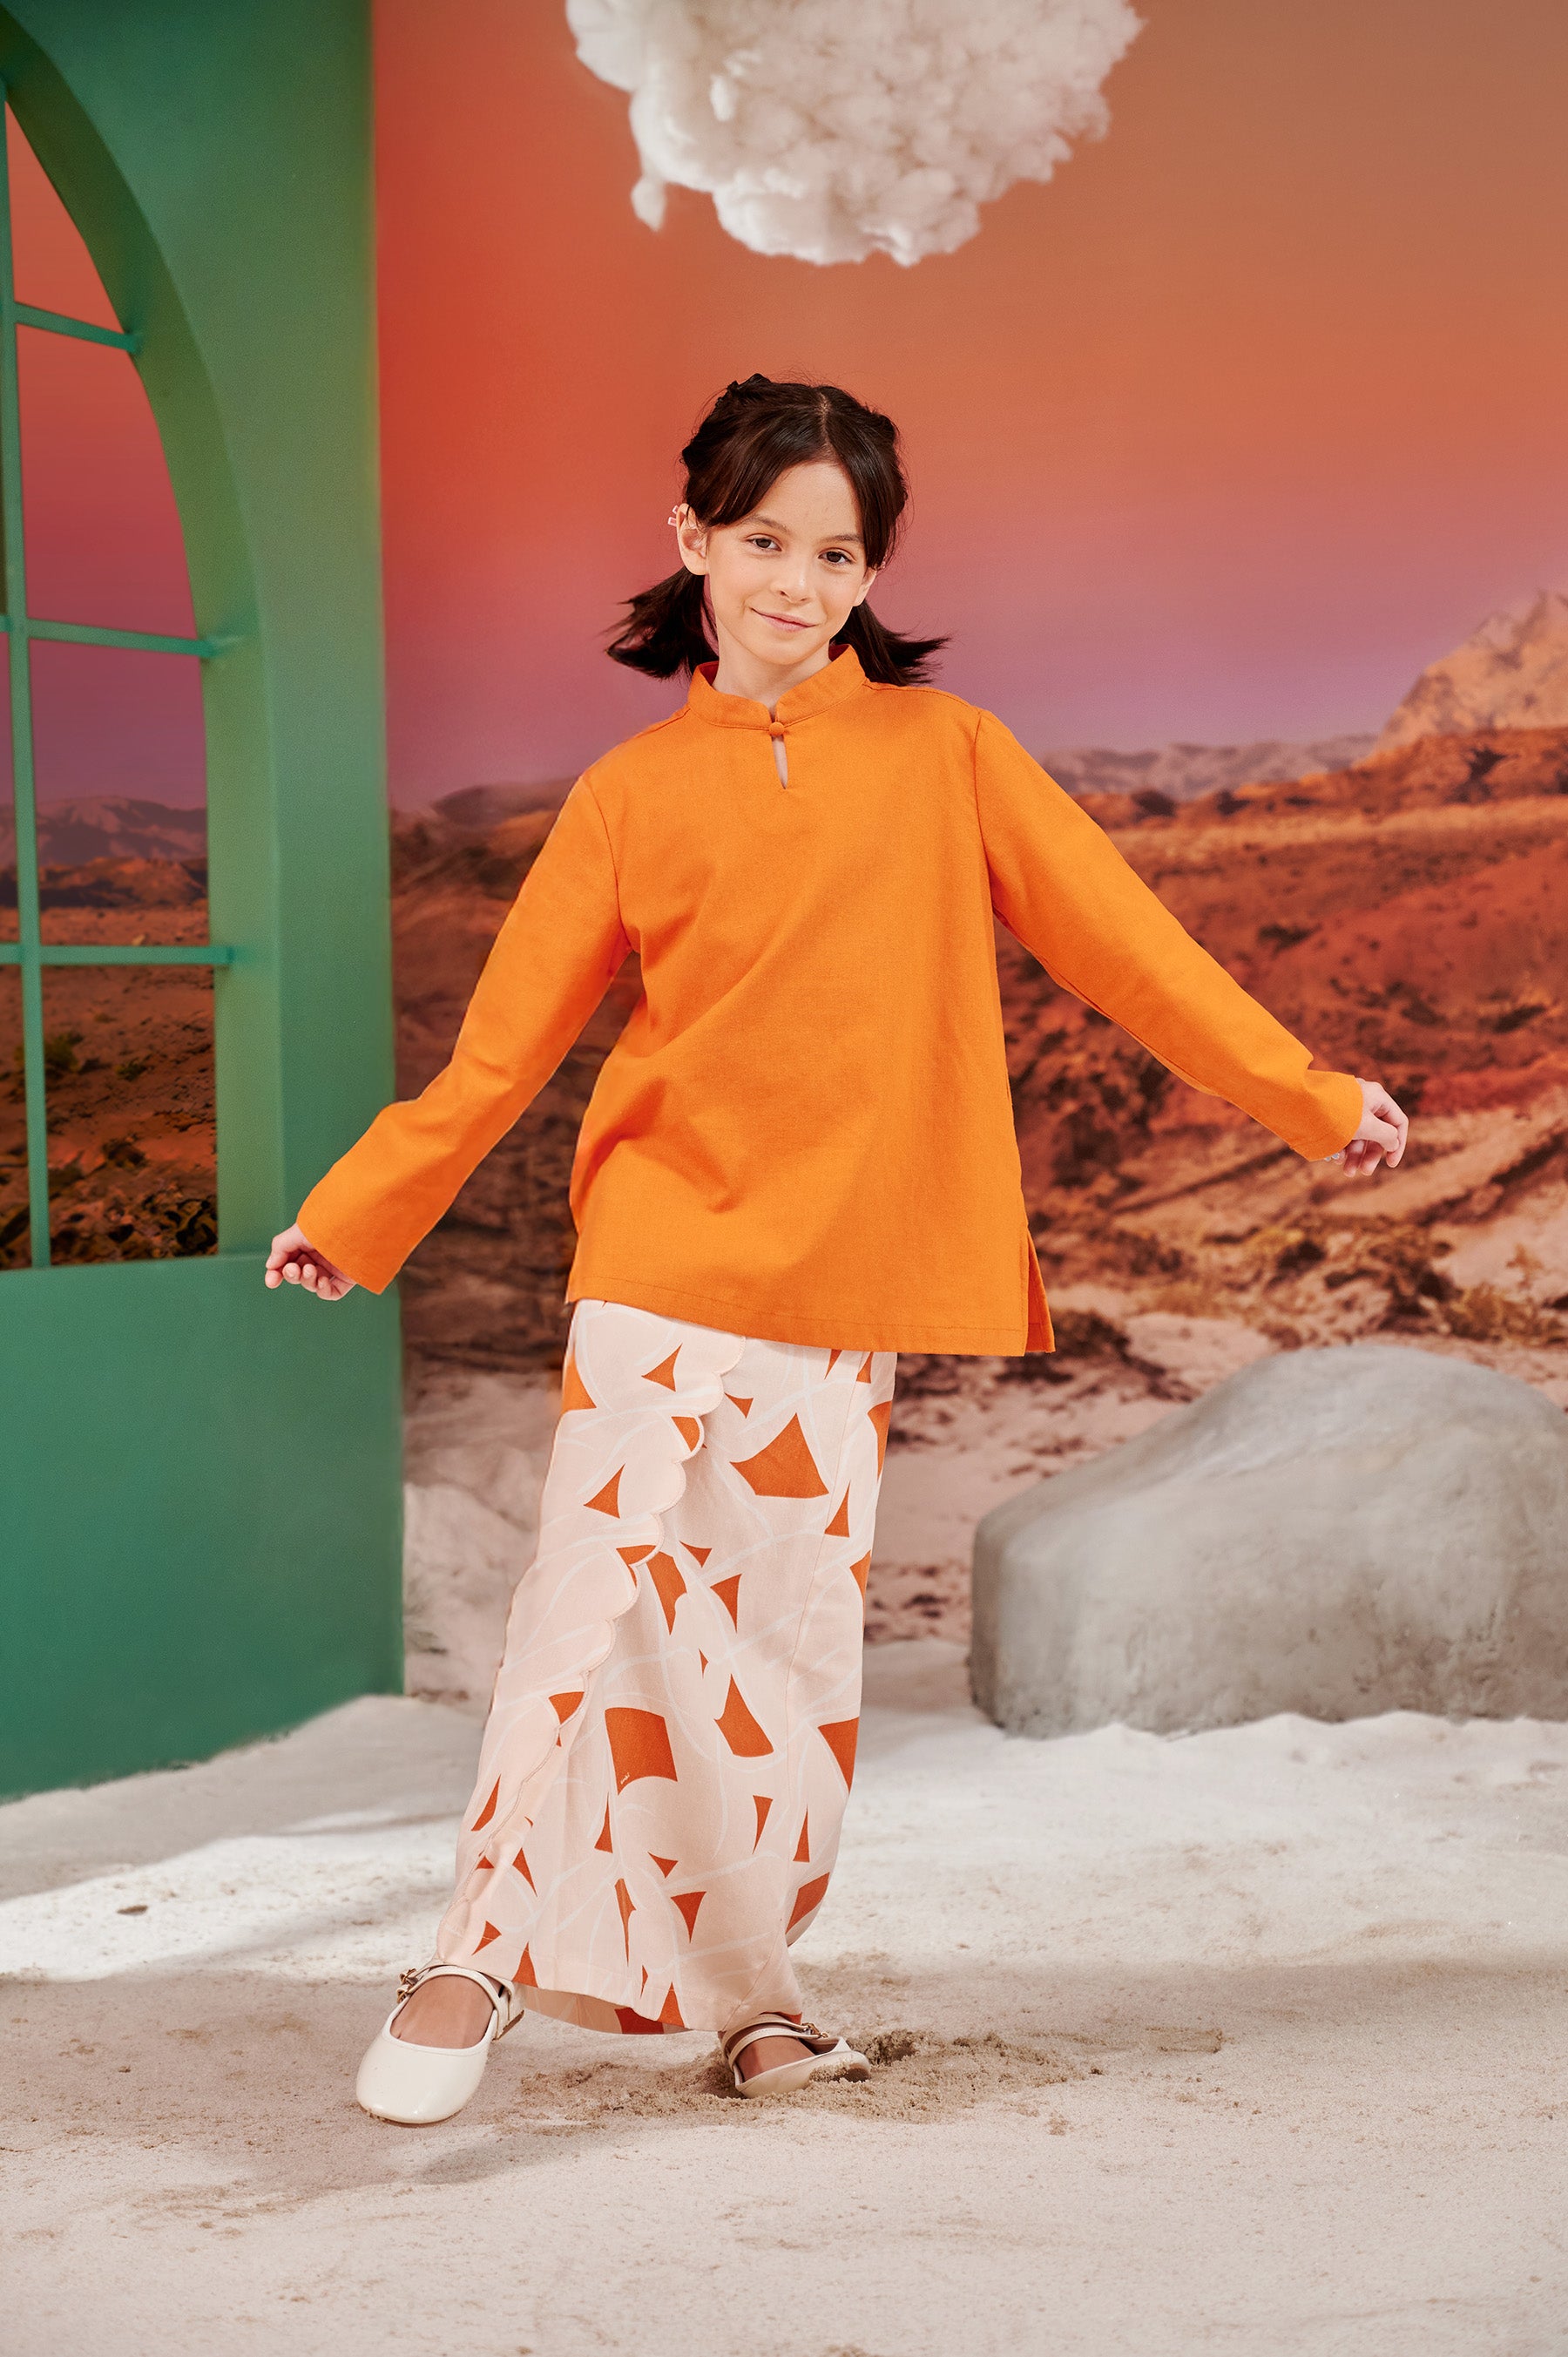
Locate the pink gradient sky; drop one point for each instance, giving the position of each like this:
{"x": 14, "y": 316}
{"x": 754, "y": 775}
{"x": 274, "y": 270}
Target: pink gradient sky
{"x": 1225, "y": 433}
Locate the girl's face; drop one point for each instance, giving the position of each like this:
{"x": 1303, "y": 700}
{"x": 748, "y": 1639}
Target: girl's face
{"x": 784, "y": 579}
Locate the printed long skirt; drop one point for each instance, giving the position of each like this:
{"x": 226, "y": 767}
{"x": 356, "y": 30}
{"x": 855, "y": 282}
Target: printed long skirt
{"x": 671, "y": 1734}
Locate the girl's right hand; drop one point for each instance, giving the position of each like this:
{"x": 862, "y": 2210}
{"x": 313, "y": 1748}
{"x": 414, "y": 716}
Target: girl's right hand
{"x": 294, "y": 1260}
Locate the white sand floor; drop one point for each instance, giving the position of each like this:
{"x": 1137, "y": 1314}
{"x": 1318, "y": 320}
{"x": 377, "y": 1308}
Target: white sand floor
{"x": 1255, "y": 2040}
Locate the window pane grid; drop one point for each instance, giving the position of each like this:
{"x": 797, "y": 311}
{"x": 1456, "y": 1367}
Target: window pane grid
{"x": 96, "y": 634}
{"x": 30, "y": 952}
{"x": 59, "y": 323}
{"x": 116, "y": 953}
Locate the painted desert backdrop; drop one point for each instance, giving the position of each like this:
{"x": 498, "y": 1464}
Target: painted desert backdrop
{"x": 1240, "y": 486}
{"x": 1407, "y": 916}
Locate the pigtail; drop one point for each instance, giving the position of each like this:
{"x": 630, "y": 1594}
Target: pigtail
{"x": 885, "y": 654}
{"x": 666, "y": 630}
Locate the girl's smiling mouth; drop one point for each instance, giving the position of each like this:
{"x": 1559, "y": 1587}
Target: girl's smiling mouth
{"x": 784, "y": 622}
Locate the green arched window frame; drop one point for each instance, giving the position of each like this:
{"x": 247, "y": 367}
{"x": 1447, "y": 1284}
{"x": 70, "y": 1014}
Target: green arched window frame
{"x": 199, "y": 1490}
{"x": 30, "y": 951}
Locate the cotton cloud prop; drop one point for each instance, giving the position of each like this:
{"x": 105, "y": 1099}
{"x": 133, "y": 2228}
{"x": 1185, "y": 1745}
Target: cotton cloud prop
{"x": 834, "y": 129}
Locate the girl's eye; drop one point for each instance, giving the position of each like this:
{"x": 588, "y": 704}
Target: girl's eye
{"x": 836, "y": 556}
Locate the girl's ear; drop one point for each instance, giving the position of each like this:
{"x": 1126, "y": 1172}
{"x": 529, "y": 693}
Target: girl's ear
{"x": 863, "y": 592}
{"x": 691, "y": 540}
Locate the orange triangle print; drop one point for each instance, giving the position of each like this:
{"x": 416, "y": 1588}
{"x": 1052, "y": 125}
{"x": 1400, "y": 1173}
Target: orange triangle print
{"x": 744, "y": 1406}
{"x": 688, "y": 1902}
{"x": 664, "y": 1373}
{"x": 563, "y": 1705}
{"x": 488, "y": 1812}
{"x": 604, "y": 1841}
{"x": 728, "y": 1593}
{"x": 665, "y": 1573}
{"x": 623, "y": 1900}
{"x": 762, "y": 1803}
{"x": 739, "y": 1728}
{"x": 879, "y": 1415}
{"x": 702, "y": 1661}
{"x": 636, "y": 1554}
{"x": 803, "y": 1847}
{"x": 864, "y": 1374}
{"x": 786, "y": 1468}
{"x": 670, "y": 2012}
{"x": 666, "y": 1865}
{"x": 840, "y": 1738}
{"x": 605, "y": 1500}
{"x": 519, "y": 1865}
{"x": 811, "y": 1897}
{"x": 839, "y": 1527}
{"x": 525, "y": 1976}
{"x": 574, "y": 1392}
{"x": 701, "y": 1554}
{"x": 833, "y": 1358}
{"x": 640, "y": 1745}
{"x": 486, "y": 1936}
{"x": 689, "y": 1428}
{"x": 859, "y": 1570}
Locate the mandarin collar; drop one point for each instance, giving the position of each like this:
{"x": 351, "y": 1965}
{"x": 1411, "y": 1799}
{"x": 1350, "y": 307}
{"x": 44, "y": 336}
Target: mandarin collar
{"x": 839, "y": 678}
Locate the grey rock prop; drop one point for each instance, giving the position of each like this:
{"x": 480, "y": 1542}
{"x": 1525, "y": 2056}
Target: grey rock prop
{"x": 1332, "y": 1532}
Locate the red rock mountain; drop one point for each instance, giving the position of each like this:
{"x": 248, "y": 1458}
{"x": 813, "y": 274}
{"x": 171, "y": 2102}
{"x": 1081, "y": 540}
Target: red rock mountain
{"x": 1511, "y": 674}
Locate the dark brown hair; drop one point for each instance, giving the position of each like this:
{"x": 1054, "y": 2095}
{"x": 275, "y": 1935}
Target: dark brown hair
{"x": 750, "y": 436}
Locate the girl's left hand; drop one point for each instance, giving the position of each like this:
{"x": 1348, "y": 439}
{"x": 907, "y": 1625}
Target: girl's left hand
{"x": 1382, "y": 1136}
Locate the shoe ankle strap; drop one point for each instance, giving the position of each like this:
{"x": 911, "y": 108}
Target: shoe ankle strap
{"x": 499, "y": 1992}
{"x": 775, "y": 2024}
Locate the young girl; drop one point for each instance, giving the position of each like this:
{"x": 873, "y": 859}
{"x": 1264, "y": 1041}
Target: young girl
{"x": 799, "y": 1159}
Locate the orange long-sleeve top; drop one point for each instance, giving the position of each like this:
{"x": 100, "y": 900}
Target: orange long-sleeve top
{"x": 805, "y": 1131}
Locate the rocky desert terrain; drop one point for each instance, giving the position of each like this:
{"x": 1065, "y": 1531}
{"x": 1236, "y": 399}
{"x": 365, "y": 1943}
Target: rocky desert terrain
{"x": 128, "y": 1052}
{"x": 1407, "y": 916}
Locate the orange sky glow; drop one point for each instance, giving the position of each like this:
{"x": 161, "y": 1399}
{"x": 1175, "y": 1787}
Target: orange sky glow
{"x": 1224, "y": 433}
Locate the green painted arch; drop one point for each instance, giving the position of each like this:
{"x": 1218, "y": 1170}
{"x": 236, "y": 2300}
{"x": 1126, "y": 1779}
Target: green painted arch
{"x": 200, "y": 1490}
{"x": 146, "y": 300}
{"x": 203, "y": 154}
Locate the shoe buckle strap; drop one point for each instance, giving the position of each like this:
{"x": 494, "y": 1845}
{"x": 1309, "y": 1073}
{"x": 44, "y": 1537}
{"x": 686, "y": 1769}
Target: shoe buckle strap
{"x": 775, "y": 2024}
{"x": 501, "y": 1994}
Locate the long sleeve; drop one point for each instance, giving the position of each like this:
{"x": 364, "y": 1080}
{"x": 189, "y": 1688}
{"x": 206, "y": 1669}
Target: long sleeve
{"x": 554, "y": 959}
{"x": 1059, "y": 884}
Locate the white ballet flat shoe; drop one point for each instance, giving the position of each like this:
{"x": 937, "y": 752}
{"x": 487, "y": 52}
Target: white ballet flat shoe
{"x": 830, "y": 2058}
{"x": 416, "y": 2085}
